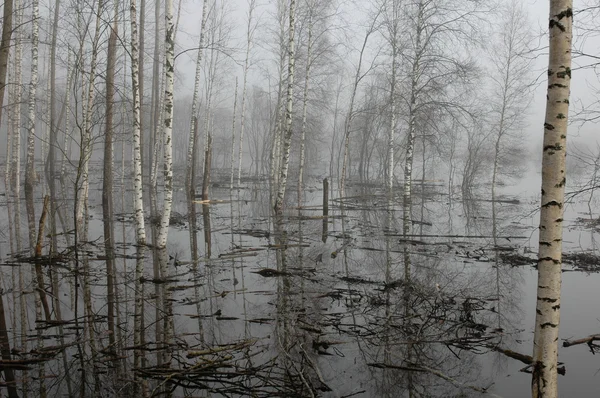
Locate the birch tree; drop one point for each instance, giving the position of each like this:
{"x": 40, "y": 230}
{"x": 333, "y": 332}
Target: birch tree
{"x": 140, "y": 229}
{"x": 393, "y": 29}
{"x": 168, "y": 125}
{"x": 16, "y": 129}
{"x": 30, "y": 171}
{"x": 161, "y": 241}
{"x": 438, "y": 70}
{"x": 107, "y": 180}
{"x": 278, "y": 111}
{"x": 7, "y": 30}
{"x": 155, "y": 98}
{"x": 85, "y": 150}
{"x": 53, "y": 141}
{"x": 358, "y": 76}
{"x": 510, "y": 97}
{"x": 189, "y": 183}
{"x": 309, "y": 55}
{"x": 287, "y": 139}
{"x": 249, "y": 37}
{"x": 545, "y": 345}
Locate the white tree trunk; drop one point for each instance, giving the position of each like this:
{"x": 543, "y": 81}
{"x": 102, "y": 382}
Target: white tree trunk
{"x": 410, "y": 144}
{"x": 163, "y": 231}
{"x": 249, "y": 36}
{"x": 392, "y": 128}
{"x": 30, "y": 172}
{"x": 195, "y": 99}
{"x": 287, "y": 139}
{"x": 348, "y": 122}
{"x": 545, "y": 350}
{"x": 305, "y": 99}
{"x": 274, "y": 154}
{"x": 140, "y": 229}
{"x": 16, "y": 129}
{"x": 86, "y": 138}
{"x": 138, "y": 204}
{"x": 235, "y": 100}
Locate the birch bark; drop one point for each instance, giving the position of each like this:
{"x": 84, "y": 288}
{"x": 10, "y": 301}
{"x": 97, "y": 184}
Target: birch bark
{"x": 287, "y": 139}
{"x": 7, "y": 30}
{"x": 140, "y": 229}
{"x": 107, "y": 180}
{"x": 545, "y": 349}
{"x": 168, "y": 126}
{"x": 30, "y": 171}
{"x": 249, "y": 36}
{"x": 195, "y": 99}
{"x": 311, "y": 6}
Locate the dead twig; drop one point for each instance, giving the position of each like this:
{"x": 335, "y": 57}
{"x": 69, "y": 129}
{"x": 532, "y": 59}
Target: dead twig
{"x": 435, "y": 372}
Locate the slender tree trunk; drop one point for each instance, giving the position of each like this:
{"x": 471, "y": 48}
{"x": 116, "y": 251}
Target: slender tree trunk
{"x": 30, "y": 170}
{"x": 107, "y": 181}
{"x": 410, "y": 144}
{"x": 195, "y": 99}
{"x": 141, "y": 55}
{"x": 249, "y": 36}
{"x": 392, "y": 130}
{"x": 140, "y": 229}
{"x": 7, "y": 30}
{"x": 235, "y": 101}
{"x": 16, "y": 128}
{"x": 153, "y": 138}
{"x": 545, "y": 349}
{"x": 274, "y": 153}
{"x": 287, "y": 139}
{"x": 86, "y": 143}
{"x": 350, "y": 115}
{"x": 168, "y": 125}
{"x": 161, "y": 241}
{"x": 192, "y": 211}
{"x": 53, "y": 126}
{"x": 305, "y": 100}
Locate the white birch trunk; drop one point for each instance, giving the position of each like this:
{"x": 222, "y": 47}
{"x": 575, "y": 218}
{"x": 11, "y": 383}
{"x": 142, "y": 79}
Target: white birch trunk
{"x": 155, "y": 99}
{"x": 287, "y": 139}
{"x": 30, "y": 172}
{"x": 195, "y": 99}
{"x": 140, "y": 228}
{"x": 305, "y": 100}
{"x": 66, "y": 143}
{"x": 249, "y": 35}
{"x": 235, "y": 100}
{"x": 545, "y": 350}
{"x": 392, "y": 130}
{"x": 350, "y": 115}
{"x": 412, "y": 121}
{"x": 163, "y": 231}
{"x": 86, "y": 139}
{"x": 274, "y": 154}
{"x": 16, "y": 129}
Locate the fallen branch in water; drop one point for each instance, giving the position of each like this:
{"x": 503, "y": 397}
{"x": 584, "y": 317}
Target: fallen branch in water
{"x": 435, "y": 372}
{"x": 526, "y": 359}
{"x": 589, "y": 340}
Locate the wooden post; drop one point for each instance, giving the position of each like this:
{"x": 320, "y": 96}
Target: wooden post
{"x": 206, "y": 177}
{"x": 325, "y": 209}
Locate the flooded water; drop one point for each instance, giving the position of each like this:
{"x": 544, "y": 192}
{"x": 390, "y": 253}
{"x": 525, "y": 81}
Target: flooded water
{"x": 336, "y": 306}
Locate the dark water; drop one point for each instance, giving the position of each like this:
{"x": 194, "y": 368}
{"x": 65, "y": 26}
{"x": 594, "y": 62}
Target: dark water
{"x": 297, "y": 312}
